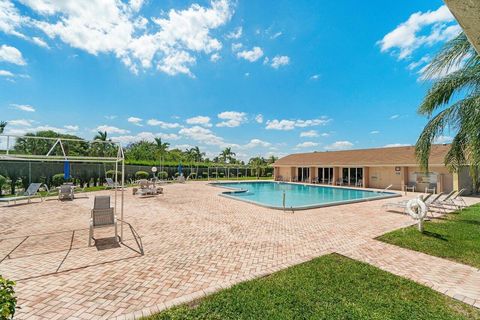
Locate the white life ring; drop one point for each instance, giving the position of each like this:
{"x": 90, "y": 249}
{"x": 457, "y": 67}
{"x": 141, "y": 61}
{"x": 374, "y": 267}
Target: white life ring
{"x": 417, "y": 209}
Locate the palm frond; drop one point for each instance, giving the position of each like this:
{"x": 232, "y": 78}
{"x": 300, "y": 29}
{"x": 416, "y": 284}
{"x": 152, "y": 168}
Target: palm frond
{"x": 436, "y": 126}
{"x": 451, "y": 55}
{"x": 464, "y": 80}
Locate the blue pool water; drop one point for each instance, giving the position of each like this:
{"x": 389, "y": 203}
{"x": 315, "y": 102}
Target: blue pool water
{"x": 297, "y": 196}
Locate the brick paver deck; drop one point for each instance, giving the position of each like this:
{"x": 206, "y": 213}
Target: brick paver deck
{"x": 195, "y": 243}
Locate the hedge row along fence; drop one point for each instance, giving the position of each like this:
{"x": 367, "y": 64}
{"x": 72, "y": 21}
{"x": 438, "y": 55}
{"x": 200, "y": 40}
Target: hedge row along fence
{"x": 22, "y": 173}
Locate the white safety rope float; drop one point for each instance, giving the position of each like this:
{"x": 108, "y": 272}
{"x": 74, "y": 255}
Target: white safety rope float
{"x": 418, "y": 210}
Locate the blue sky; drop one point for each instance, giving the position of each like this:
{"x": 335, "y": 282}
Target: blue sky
{"x": 264, "y": 77}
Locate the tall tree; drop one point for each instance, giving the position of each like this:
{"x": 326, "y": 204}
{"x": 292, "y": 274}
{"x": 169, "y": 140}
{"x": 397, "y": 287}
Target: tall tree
{"x": 3, "y": 124}
{"x": 101, "y": 136}
{"x": 272, "y": 159}
{"x": 227, "y": 155}
{"x": 196, "y": 154}
{"x": 161, "y": 146}
{"x": 453, "y": 102}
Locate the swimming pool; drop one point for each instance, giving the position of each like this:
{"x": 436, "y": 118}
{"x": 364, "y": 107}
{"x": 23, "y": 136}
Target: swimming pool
{"x": 297, "y": 196}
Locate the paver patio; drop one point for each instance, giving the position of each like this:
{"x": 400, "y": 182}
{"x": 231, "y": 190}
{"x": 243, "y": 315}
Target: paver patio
{"x": 195, "y": 243}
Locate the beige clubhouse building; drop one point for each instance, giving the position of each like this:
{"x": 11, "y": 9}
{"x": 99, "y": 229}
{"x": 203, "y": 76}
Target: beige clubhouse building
{"x": 373, "y": 168}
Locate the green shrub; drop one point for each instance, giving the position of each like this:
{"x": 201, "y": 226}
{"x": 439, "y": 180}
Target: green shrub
{"x": 58, "y": 179}
{"x": 111, "y": 174}
{"x": 8, "y": 301}
{"x": 3, "y": 182}
{"x": 162, "y": 175}
{"x": 141, "y": 175}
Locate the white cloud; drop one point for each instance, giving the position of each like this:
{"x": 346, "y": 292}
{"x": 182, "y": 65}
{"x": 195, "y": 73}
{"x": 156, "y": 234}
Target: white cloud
{"x": 247, "y": 74}
{"x": 25, "y": 126}
{"x": 5, "y": 73}
{"x": 413, "y": 65}
{"x": 110, "y": 117}
{"x": 11, "y": 55}
{"x": 72, "y": 128}
{"x": 111, "y": 129}
{"x": 23, "y": 107}
{"x": 162, "y": 124}
{"x": 315, "y": 77}
{"x": 144, "y": 136}
{"x": 276, "y": 35}
{"x": 232, "y": 119}
{"x": 251, "y": 55}
{"x": 215, "y": 57}
{"x": 279, "y": 61}
{"x": 20, "y": 122}
{"x": 259, "y": 118}
{"x": 307, "y": 144}
{"x": 40, "y": 42}
{"x": 443, "y": 139}
{"x": 394, "y": 145}
{"x": 254, "y": 143}
{"x": 199, "y": 120}
{"x": 292, "y": 124}
{"x": 10, "y": 19}
{"x": 325, "y": 134}
{"x": 236, "y": 46}
{"x": 136, "y": 121}
{"x": 339, "y": 145}
{"x": 169, "y": 43}
{"x": 309, "y": 134}
{"x": 395, "y": 116}
{"x": 374, "y": 132}
{"x": 411, "y": 35}
{"x": 202, "y": 135}
{"x": 235, "y": 34}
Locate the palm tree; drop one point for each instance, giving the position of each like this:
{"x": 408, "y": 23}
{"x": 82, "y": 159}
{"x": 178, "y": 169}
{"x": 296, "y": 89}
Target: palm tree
{"x": 194, "y": 154}
{"x": 102, "y": 136}
{"x": 453, "y": 103}
{"x": 161, "y": 146}
{"x": 272, "y": 159}
{"x": 3, "y": 124}
{"x": 227, "y": 154}
{"x": 257, "y": 164}
{"x": 101, "y": 149}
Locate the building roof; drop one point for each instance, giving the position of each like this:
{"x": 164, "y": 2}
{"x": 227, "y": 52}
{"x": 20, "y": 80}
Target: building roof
{"x": 394, "y": 156}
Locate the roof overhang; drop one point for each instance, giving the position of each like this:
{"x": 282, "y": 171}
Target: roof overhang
{"x": 467, "y": 13}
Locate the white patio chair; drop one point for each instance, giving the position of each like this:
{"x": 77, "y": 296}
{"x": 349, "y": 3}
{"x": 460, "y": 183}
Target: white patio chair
{"x": 102, "y": 216}
{"x": 66, "y": 191}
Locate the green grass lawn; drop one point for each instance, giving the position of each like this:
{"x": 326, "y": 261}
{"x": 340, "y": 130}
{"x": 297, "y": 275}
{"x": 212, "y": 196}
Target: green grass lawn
{"x": 329, "y": 287}
{"x": 454, "y": 237}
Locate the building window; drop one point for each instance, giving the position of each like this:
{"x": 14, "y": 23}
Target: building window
{"x": 353, "y": 176}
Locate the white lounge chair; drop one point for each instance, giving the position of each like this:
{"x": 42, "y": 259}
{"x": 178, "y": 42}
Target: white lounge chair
{"x": 457, "y": 201}
{"x": 111, "y": 184}
{"x": 403, "y": 204}
{"x": 66, "y": 191}
{"x": 28, "y": 194}
{"x": 102, "y": 216}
